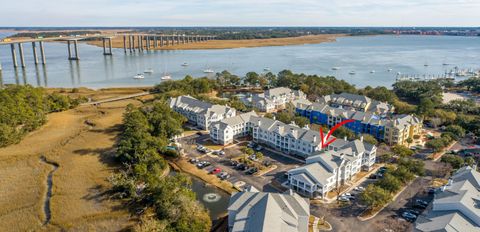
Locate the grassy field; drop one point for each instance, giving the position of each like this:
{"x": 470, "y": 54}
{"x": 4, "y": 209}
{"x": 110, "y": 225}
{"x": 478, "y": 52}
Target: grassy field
{"x": 83, "y": 153}
{"x": 117, "y": 42}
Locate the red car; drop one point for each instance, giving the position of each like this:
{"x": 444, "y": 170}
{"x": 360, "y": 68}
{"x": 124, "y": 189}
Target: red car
{"x": 215, "y": 171}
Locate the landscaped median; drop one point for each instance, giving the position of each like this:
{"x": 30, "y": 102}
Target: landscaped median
{"x": 318, "y": 224}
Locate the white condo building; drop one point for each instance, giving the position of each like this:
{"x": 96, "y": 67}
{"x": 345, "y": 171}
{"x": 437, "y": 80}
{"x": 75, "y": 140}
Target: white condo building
{"x": 289, "y": 139}
{"x": 329, "y": 169}
{"x": 274, "y": 99}
{"x": 200, "y": 113}
{"x": 223, "y": 132}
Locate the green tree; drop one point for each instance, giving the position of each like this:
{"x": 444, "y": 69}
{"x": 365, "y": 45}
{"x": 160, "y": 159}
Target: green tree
{"x": 457, "y": 131}
{"x": 252, "y": 78}
{"x": 374, "y": 196}
{"x": 455, "y": 161}
{"x": 402, "y": 151}
{"x": 301, "y": 121}
{"x": 369, "y": 139}
{"x": 389, "y": 183}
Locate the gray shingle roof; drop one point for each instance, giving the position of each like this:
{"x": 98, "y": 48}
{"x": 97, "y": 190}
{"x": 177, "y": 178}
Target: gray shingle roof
{"x": 283, "y": 129}
{"x": 261, "y": 211}
{"x": 456, "y": 207}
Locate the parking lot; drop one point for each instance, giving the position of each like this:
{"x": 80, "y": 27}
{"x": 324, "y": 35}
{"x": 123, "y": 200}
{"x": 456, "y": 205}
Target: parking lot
{"x": 239, "y": 175}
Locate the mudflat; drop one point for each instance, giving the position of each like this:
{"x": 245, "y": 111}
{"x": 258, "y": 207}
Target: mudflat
{"x": 117, "y": 42}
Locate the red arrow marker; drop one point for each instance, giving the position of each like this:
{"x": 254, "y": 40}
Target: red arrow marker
{"x": 322, "y": 136}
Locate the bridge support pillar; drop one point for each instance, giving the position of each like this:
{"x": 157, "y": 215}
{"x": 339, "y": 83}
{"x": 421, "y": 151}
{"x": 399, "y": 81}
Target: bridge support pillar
{"x": 139, "y": 42}
{"x": 14, "y": 55}
{"x": 42, "y": 53}
{"x": 22, "y": 58}
{"x": 125, "y": 43}
{"x": 34, "y": 48}
{"x": 105, "y": 52}
{"x": 72, "y": 56}
{"x": 147, "y": 40}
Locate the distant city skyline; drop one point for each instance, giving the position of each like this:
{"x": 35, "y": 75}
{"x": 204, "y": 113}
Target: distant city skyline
{"x": 25, "y": 13}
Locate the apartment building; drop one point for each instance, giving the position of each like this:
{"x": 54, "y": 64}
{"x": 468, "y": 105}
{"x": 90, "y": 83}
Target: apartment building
{"x": 357, "y": 103}
{"x": 328, "y": 169}
{"x": 393, "y": 129}
{"x": 402, "y": 127}
{"x": 226, "y": 130}
{"x": 455, "y": 207}
{"x": 251, "y": 210}
{"x": 287, "y": 138}
{"x": 200, "y": 113}
{"x": 274, "y": 99}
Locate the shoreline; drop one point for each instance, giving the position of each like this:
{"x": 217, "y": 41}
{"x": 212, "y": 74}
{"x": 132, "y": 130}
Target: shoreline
{"x": 117, "y": 42}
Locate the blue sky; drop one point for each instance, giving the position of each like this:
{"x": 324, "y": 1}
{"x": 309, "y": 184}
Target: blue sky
{"x": 240, "y": 13}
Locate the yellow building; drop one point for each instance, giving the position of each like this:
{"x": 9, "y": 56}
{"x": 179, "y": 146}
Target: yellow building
{"x": 402, "y": 127}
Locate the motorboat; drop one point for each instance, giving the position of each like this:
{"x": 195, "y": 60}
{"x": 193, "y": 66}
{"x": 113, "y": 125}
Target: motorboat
{"x": 139, "y": 76}
{"x": 149, "y": 71}
{"x": 389, "y": 70}
{"x": 335, "y": 68}
{"x": 185, "y": 64}
{"x": 352, "y": 73}
{"x": 267, "y": 69}
{"x": 373, "y": 71}
{"x": 166, "y": 77}
{"x": 208, "y": 71}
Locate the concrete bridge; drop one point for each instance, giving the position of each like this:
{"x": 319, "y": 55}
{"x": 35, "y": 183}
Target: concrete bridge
{"x": 131, "y": 43}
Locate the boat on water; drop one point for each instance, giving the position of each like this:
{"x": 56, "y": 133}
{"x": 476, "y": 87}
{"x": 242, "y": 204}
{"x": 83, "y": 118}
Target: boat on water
{"x": 185, "y": 64}
{"x": 373, "y": 71}
{"x": 166, "y": 77}
{"x": 208, "y": 71}
{"x": 149, "y": 71}
{"x": 399, "y": 73}
{"x": 266, "y": 69}
{"x": 426, "y": 65}
{"x": 139, "y": 76}
{"x": 335, "y": 68}
{"x": 389, "y": 69}
{"x": 352, "y": 73}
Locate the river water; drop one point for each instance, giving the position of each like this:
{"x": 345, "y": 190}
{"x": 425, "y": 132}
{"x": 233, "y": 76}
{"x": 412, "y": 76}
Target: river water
{"x": 405, "y": 54}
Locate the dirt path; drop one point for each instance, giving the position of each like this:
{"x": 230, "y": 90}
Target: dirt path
{"x": 78, "y": 197}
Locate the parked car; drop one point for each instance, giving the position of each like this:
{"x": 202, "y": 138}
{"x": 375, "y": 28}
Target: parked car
{"x": 224, "y": 175}
{"x": 203, "y": 164}
{"x": 233, "y": 163}
{"x": 432, "y": 191}
{"x": 215, "y": 171}
{"x": 359, "y": 189}
{"x": 252, "y": 171}
{"x": 412, "y": 211}
{"x": 410, "y": 217}
{"x": 253, "y": 157}
{"x": 420, "y": 204}
{"x": 194, "y": 160}
{"x": 242, "y": 167}
{"x": 267, "y": 163}
{"x": 258, "y": 148}
{"x": 251, "y": 145}
{"x": 344, "y": 199}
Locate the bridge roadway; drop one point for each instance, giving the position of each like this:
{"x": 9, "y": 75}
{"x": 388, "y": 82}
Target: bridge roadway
{"x": 131, "y": 42}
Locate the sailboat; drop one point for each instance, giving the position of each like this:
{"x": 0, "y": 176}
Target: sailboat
{"x": 165, "y": 76}
{"x": 149, "y": 71}
{"x": 185, "y": 64}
